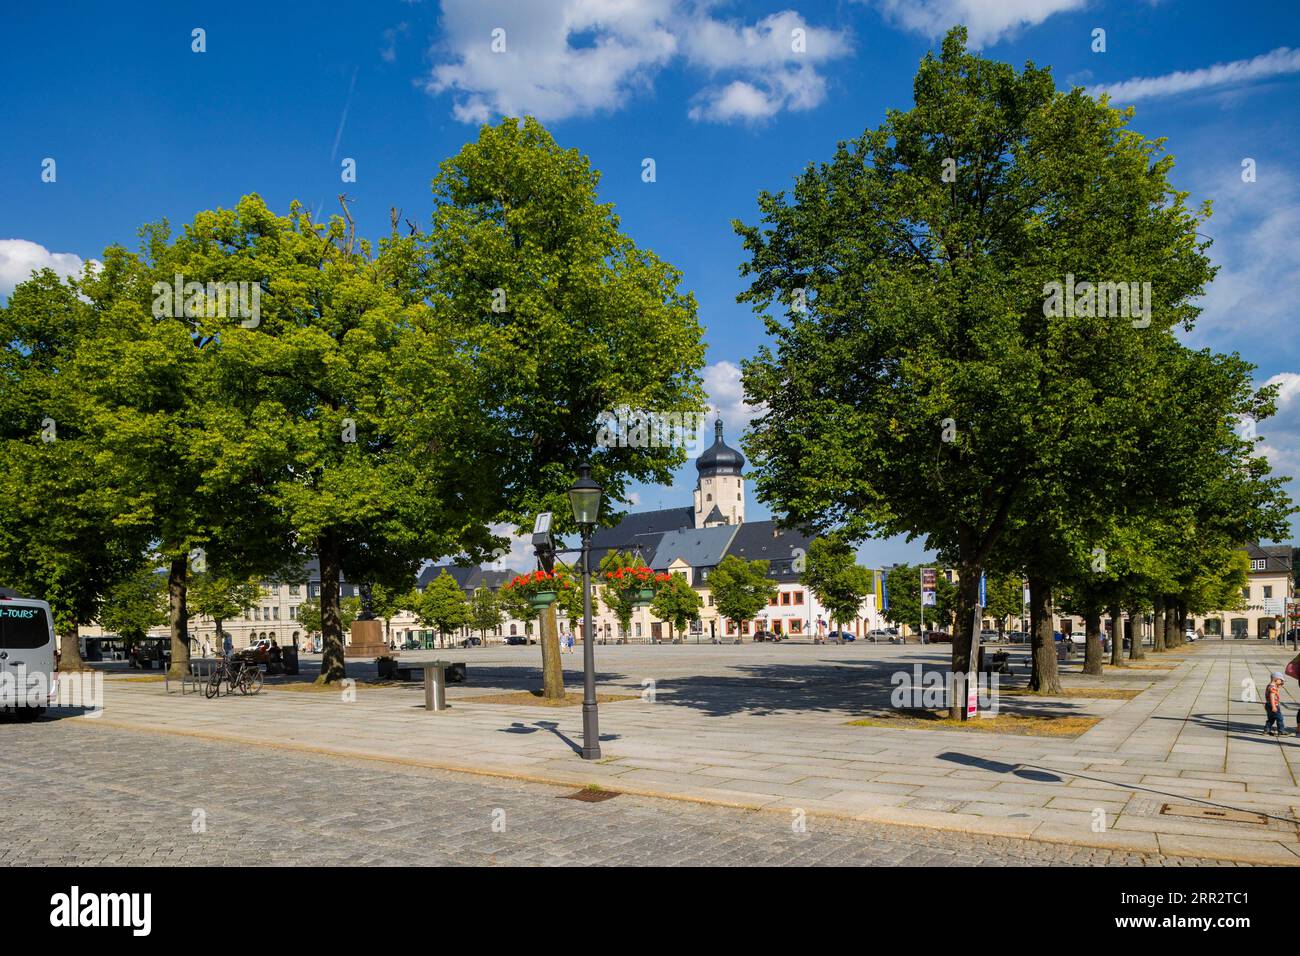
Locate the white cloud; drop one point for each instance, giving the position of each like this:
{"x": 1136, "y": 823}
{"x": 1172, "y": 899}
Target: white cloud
{"x": 727, "y": 399}
{"x": 987, "y": 21}
{"x": 565, "y": 58}
{"x": 519, "y": 557}
{"x": 1249, "y": 307}
{"x": 19, "y": 258}
{"x": 1280, "y": 435}
{"x": 1278, "y": 62}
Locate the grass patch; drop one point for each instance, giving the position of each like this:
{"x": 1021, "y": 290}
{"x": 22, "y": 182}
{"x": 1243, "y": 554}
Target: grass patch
{"x": 150, "y": 679}
{"x": 1089, "y": 693}
{"x": 1025, "y": 725}
{"x": 311, "y": 687}
{"x": 534, "y": 698}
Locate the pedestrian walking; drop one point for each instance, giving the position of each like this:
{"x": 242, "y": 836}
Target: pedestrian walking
{"x": 1273, "y": 706}
{"x": 227, "y": 645}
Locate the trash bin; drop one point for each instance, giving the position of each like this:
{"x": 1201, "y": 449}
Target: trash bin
{"x": 290, "y": 659}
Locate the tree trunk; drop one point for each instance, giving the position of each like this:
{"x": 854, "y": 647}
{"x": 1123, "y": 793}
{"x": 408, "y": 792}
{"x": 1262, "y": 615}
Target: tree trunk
{"x": 1093, "y": 651}
{"x": 332, "y": 665}
{"x": 963, "y": 638}
{"x": 1116, "y": 637}
{"x": 1157, "y": 627}
{"x": 1135, "y": 649}
{"x": 70, "y": 650}
{"x": 552, "y": 668}
{"x": 1046, "y": 678}
{"x": 179, "y": 618}
{"x": 1171, "y": 625}
{"x": 221, "y": 632}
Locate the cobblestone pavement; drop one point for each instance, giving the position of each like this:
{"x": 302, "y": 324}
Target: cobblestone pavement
{"x": 72, "y": 794}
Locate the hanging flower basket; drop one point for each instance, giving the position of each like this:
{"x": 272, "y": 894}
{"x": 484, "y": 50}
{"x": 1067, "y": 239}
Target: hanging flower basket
{"x": 540, "y": 588}
{"x": 542, "y": 599}
{"x": 636, "y": 585}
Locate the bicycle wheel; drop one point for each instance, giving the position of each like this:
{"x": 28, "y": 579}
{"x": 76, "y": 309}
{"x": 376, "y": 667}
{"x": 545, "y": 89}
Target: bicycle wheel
{"x": 251, "y": 681}
{"x": 214, "y": 685}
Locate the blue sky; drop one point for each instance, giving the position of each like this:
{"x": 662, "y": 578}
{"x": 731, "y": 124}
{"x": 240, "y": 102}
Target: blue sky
{"x": 142, "y": 127}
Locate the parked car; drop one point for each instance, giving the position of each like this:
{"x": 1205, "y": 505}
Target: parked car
{"x": 937, "y": 637}
{"x": 515, "y": 639}
{"x": 989, "y": 637}
{"x": 471, "y": 642}
{"x": 846, "y": 636}
{"x": 879, "y": 634}
{"x": 767, "y": 636}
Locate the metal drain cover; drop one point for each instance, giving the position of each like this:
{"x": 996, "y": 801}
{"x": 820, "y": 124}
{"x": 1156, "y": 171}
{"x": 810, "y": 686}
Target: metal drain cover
{"x": 1214, "y": 813}
{"x": 590, "y": 796}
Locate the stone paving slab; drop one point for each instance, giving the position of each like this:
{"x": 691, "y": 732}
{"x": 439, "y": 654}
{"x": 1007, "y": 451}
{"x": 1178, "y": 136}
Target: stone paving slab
{"x": 769, "y": 729}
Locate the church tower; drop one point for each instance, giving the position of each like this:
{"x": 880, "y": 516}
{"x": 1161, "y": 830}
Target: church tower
{"x": 719, "y": 491}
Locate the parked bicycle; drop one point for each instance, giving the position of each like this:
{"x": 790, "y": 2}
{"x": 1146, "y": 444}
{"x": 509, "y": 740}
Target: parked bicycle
{"x": 242, "y": 674}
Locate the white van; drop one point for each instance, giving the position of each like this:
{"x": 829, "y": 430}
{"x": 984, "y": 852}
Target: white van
{"x": 27, "y": 655}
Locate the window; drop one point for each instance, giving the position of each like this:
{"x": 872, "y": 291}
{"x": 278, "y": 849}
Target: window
{"x": 772, "y": 600}
{"x": 796, "y": 626}
{"x": 1240, "y": 628}
{"x": 293, "y": 612}
{"x": 798, "y": 597}
{"x": 785, "y": 598}
{"x": 295, "y": 590}
{"x": 710, "y": 600}
{"x": 1258, "y": 564}
{"x": 731, "y": 627}
{"x": 1245, "y": 592}
{"x": 512, "y": 630}
{"x": 708, "y": 497}
{"x": 1268, "y": 591}
{"x": 638, "y": 628}
{"x": 275, "y": 613}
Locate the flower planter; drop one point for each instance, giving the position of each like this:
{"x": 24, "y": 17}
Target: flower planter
{"x": 542, "y": 600}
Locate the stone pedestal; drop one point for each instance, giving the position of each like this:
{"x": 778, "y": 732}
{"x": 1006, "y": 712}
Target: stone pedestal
{"x": 366, "y": 640}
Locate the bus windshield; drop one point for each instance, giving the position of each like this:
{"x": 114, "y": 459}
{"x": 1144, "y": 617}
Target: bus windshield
{"x": 23, "y": 628}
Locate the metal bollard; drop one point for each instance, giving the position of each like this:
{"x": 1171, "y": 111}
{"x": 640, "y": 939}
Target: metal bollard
{"x": 435, "y": 685}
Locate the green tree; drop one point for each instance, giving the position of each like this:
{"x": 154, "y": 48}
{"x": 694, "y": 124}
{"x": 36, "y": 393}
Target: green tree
{"x": 485, "y": 612}
{"x": 309, "y": 614}
{"x": 1004, "y": 593}
{"x": 220, "y": 598}
{"x": 903, "y": 582}
{"x": 75, "y": 553}
{"x": 136, "y": 604}
{"x": 741, "y": 589}
{"x": 922, "y": 362}
{"x": 677, "y": 603}
{"x": 528, "y": 265}
{"x": 443, "y": 605}
{"x": 833, "y": 575}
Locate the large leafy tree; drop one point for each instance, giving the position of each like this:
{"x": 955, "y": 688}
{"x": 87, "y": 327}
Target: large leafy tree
{"x": 834, "y": 576}
{"x": 570, "y": 320}
{"x": 918, "y": 362}
{"x": 220, "y": 597}
{"x": 443, "y": 605}
{"x": 903, "y": 582}
{"x": 676, "y": 602}
{"x": 741, "y": 588}
{"x": 66, "y": 535}
{"x": 136, "y": 604}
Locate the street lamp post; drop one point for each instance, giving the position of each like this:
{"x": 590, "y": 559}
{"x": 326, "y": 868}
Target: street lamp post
{"x": 584, "y": 497}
